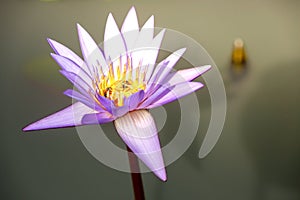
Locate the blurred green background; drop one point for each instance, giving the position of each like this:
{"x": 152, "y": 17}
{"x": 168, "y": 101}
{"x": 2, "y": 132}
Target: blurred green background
{"x": 258, "y": 154}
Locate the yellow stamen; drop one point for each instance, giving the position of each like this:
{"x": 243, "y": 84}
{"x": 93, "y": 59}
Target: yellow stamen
{"x": 119, "y": 84}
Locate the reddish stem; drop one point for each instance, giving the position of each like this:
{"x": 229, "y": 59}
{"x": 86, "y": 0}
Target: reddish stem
{"x": 136, "y": 178}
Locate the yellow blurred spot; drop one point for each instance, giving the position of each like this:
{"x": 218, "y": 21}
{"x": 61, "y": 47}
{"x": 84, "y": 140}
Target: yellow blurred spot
{"x": 238, "y": 53}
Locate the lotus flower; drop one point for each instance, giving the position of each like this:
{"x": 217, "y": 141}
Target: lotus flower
{"x": 119, "y": 83}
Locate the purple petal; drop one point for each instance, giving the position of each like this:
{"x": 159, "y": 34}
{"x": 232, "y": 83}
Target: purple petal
{"x": 134, "y": 100}
{"x": 97, "y": 118}
{"x": 120, "y": 111}
{"x": 130, "y": 104}
{"x": 151, "y": 85}
{"x": 91, "y": 52}
{"x": 80, "y": 84}
{"x": 79, "y": 97}
{"x": 162, "y": 71}
{"x": 70, "y": 116}
{"x": 158, "y": 94}
{"x": 137, "y": 129}
{"x": 67, "y": 53}
{"x": 106, "y": 103}
{"x": 177, "y": 92}
{"x": 186, "y": 75}
{"x": 70, "y": 66}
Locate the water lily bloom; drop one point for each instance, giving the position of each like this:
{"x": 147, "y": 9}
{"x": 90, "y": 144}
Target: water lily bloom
{"x": 119, "y": 83}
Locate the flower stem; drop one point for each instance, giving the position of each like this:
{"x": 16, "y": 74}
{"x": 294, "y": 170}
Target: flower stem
{"x": 136, "y": 178}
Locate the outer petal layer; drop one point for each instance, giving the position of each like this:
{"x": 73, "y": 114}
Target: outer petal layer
{"x": 92, "y": 54}
{"x": 177, "y": 92}
{"x": 162, "y": 71}
{"x": 187, "y": 74}
{"x": 67, "y": 53}
{"x": 130, "y": 28}
{"x": 138, "y": 131}
{"x": 81, "y": 98}
{"x": 70, "y": 66}
{"x": 70, "y": 116}
{"x": 114, "y": 45}
{"x": 97, "y": 118}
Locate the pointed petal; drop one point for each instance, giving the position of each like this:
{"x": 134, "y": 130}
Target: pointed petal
{"x": 186, "y": 75}
{"x": 120, "y": 111}
{"x": 67, "y": 53}
{"x": 160, "y": 73}
{"x": 147, "y": 53}
{"x": 113, "y": 42}
{"x": 70, "y": 116}
{"x": 146, "y": 33}
{"x": 78, "y": 82}
{"x": 146, "y": 48}
{"x": 79, "y": 97}
{"x": 97, "y": 118}
{"x": 177, "y": 92}
{"x": 91, "y": 52}
{"x": 130, "y": 104}
{"x": 106, "y": 103}
{"x": 153, "y": 52}
{"x": 70, "y": 66}
{"x": 151, "y": 86}
{"x": 134, "y": 100}
{"x": 130, "y": 29}
{"x": 158, "y": 94}
{"x": 138, "y": 131}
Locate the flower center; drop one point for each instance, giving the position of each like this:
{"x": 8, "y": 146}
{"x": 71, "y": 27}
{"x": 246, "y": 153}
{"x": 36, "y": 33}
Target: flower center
{"x": 119, "y": 83}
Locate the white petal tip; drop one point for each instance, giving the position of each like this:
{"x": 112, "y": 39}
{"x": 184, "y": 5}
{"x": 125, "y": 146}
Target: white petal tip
{"x": 161, "y": 174}
{"x": 53, "y": 55}
{"x": 149, "y": 23}
{"x": 78, "y": 26}
{"x": 132, "y": 9}
{"x": 80, "y": 29}
{"x": 150, "y": 20}
{"x": 110, "y": 16}
{"x": 138, "y": 131}
{"x": 205, "y": 68}
{"x": 49, "y": 40}
{"x": 181, "y": 51}
{"x": 162, "y": 31}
